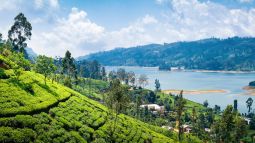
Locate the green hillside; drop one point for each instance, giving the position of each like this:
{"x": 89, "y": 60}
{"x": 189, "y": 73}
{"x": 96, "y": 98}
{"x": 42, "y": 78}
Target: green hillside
{"x": 34, "y": 112}
{"x": 208, "y": 54}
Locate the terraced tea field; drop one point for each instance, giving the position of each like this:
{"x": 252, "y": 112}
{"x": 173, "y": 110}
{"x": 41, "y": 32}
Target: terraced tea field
{"x": 34, "y": 112}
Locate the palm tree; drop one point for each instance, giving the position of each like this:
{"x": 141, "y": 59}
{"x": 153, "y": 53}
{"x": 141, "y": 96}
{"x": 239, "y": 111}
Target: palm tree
{"x": 249, "y": 104}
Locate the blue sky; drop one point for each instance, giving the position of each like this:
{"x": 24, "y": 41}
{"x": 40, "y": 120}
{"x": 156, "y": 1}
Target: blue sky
{"x": 88, "y": 26}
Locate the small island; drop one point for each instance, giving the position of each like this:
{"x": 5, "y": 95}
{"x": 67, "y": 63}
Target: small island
{"x": 250, "y": 88}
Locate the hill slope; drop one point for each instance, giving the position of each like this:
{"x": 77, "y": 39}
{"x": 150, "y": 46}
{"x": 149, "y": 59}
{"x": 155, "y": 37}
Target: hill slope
{"x": 34, "y": 112}
{"x": 209, "y": 54}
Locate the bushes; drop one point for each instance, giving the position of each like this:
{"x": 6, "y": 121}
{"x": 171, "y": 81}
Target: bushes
{"x": 11, "y": 135}
{"x": 2, "y": 74}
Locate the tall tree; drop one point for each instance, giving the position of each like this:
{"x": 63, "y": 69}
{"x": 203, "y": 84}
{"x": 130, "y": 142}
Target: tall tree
{"x": 138, "y": 103}
{"x": 103, "y": 73}
{"x": 121, "y": 74}
{"x": 157, "y": 85}
{"x": 131, "y": 77}
{"x": 20, "y": 32}
{"x": 45, "y": 66}
{"x": 116, "y": 99}
{"x": 249, "y": 104}
{"x": 206, "y": 103}
{"x": 180, "y": 104}
{"x": 235, "y": 105}
{"x": 143, "y": 80}
{"x": 68, "y": 64}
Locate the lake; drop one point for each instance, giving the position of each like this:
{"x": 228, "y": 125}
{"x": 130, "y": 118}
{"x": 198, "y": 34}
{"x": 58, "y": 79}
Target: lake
{"x": 231, "y": 82}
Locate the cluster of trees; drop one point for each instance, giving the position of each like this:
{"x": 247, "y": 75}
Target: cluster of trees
{"x": 91, "y": 69}
{"x": 129, "y": 78}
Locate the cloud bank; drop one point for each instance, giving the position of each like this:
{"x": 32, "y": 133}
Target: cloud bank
{"x": 185, "y": 20}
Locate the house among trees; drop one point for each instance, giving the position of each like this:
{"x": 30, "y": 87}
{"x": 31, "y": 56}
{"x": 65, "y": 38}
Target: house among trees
{"x": 186, "y": 128}
{"x": 153, "y": 107}
{"x": 207, "y": 130}
{"x": 247, "y": 120}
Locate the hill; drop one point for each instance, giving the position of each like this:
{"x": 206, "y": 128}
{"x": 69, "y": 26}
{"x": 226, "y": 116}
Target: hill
{"x": 34, "y": 112}
{"x": 209, "y": 54}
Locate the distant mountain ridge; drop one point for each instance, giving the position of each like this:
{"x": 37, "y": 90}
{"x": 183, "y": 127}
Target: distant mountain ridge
{"x": 208, "y": 54}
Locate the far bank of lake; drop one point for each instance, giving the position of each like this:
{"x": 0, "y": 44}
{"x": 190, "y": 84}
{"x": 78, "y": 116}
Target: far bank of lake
{"x": 231, "y": 82}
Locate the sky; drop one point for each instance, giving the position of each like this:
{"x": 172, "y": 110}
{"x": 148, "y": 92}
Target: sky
{"x": 89, "y": 26}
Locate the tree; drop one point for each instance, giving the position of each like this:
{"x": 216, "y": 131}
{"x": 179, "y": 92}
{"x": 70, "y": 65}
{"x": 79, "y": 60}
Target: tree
{"x": 1, "y": 36}
{"x": 206, "y": 103}
{"x": 112, "y": 75}
{"x": 216, "y": 109}
{"x": 116, "y": 99}
{"x": 230, "y": 128}
{"x": 103, "y": 73}
{"x": 143, "y": 80}
{"x": 44, "y": 65}
{"x": 209, "y": 116}
{"x": 235, "y": 105}
{"x": 194, "y": 120}
{"x": 95, "y": 70}
{"x": 121, "y": 74}
{"x": 68, "y": 67}
{"x": 249, "y": 104}
{"x": 223, "y": 128}
{"x": 157, "y": 85}
{"x": 138, "y": 103}
{"x": 20, "y": 32}
{"x": 240, "y": 129}
{"x": 180, "y": 104}
{"x": 151, "y": 97}
{"x": 131, "y": 77}
{"x": 167, "y": 104}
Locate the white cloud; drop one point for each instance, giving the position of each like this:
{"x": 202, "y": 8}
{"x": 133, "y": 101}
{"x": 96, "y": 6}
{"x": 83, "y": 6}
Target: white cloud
{"x": 54, "y": 3}
{"x": 186, "y": 20}
{"x": 74, "y": 33}
{"x": 9, "y": 4}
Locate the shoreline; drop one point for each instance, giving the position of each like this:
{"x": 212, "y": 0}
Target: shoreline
{"x": 249, "y": 90}
{"x": 176, "y": 91}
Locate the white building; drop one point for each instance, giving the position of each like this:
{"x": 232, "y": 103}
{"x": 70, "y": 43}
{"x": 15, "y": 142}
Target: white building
{"x": 153, "y": 107}
{"x": 247, "y": 120}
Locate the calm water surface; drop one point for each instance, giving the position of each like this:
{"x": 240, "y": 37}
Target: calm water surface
{"x": 231, "y": 82}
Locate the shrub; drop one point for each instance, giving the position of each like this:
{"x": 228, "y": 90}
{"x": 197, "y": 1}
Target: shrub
{"x": 2, "y": 74}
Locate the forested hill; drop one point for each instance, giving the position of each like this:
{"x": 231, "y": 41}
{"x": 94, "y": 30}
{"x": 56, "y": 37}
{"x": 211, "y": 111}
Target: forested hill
{"x": 209, "y": 54}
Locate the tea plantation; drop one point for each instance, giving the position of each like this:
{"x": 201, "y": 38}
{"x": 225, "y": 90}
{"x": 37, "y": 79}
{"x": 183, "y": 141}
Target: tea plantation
{"x": 34, "y": 112}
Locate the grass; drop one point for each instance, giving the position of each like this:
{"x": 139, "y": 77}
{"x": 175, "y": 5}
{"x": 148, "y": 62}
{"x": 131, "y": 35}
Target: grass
{"x": 34, "y": 112}
{"x": 189, "y": 104}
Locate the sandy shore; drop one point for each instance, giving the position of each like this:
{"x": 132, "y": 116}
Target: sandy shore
{"x": 250, "y": 90}
{"x": 174, "y": 91}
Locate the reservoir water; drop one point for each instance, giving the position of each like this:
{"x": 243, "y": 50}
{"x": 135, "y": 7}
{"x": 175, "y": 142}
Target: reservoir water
{"x": 233, "y": 83}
